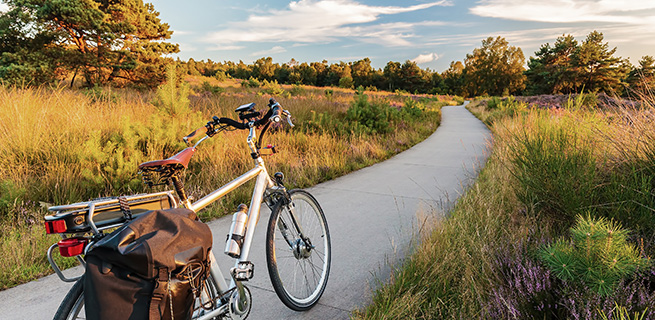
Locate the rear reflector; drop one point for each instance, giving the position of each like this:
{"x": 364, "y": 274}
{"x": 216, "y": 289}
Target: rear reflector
{"x": 56, "y": 226}
{"x": 72, "y": 246}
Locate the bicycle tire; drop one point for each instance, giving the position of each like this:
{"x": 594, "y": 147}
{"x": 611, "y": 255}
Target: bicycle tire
{"x": 288, "y": 251}
{"x": 71, "y": 307}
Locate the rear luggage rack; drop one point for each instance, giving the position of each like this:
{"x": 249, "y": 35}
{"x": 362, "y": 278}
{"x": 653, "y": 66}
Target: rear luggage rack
{"x": 104, "y": 213}
{"x": 73, "y": 220}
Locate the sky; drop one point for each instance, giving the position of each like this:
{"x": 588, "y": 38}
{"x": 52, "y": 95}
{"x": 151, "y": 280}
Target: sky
{"x": 431, "y": 33}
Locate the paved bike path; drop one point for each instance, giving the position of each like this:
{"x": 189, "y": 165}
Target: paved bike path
{"x": 372, "y": 215}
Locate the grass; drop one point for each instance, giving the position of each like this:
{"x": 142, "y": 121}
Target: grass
{"x": 62, "y": 146}
{"x": 547, "y": 167}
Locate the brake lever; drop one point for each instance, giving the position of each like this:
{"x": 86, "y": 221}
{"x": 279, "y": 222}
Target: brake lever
{"x": 288, "y": 115}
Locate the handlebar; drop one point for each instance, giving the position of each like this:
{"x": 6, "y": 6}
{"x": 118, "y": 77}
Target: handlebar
{"x": 274, "y": 114}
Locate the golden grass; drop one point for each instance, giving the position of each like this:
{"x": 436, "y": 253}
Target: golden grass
{"x": 61, "y": 146}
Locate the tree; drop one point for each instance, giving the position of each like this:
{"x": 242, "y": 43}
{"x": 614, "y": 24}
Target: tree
{"x": 264, "y": 69}
{"x": 642, "y": 78}
{"x": 496, "y": 69}
{"x": 412, "y": 78}
{"x": 361, "y": 72}
{"x": 392, "y": 73}
{"x": 453, "y": 78}
{"x": 101, "y": 39}
{"x": 596, "y": 67}
{"x": 551, "y": 70}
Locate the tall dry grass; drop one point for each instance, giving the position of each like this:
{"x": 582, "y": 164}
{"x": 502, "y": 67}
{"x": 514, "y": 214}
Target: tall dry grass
{"x": 61, "y": 146}
{"x": 547, "y": 166}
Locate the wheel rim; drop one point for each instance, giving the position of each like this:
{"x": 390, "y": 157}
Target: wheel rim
{"x": 77, "y": 312}
{"x": 302, "y": 269}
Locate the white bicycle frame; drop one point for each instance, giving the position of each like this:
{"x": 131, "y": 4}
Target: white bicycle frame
{"x": 262, "y": 185}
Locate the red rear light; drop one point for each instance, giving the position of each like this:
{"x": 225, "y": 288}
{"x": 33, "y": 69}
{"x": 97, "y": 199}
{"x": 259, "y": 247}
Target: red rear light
{"x": 56, "y": 226}
{"x": 72, "y": 246}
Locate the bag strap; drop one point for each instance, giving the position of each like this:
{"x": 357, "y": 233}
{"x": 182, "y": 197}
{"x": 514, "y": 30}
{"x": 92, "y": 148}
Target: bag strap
{"x": 159, "y": 294}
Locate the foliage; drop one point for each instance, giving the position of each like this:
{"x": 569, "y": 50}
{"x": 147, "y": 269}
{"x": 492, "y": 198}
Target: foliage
{"x": 482, "y": 262}
{"x": 208, "y": 87}
{"x": 642, "y": 78}
{"x": 272, "y": 88}
{"x": 598, "y": 254}
{"x": 93, "y": 147}
{"x": 372, "y": 117}
{"x": 104, "y": 41}
{"x": 251, "y": 83}
{"x": 173, "y": 98}
{"x": 494, "y": 69}
{"x": 569, "y": 66}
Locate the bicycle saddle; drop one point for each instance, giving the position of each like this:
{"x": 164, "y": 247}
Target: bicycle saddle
{"x": 181, "y": 158}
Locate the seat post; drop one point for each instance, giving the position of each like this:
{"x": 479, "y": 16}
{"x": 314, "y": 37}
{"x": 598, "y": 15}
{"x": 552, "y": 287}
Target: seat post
{"x": 178, "y": 184}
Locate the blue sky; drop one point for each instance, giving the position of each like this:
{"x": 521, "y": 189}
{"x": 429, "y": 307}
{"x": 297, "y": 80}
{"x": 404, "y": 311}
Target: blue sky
{"x": 432, "y": 33}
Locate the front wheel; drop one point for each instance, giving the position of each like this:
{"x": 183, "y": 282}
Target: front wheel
{"x": 298, "y": 250}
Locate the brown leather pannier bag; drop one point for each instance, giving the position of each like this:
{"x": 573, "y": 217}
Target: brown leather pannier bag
{"x": 151, "y": 268}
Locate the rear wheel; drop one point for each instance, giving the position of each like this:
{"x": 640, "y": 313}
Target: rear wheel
{"x": 72, "y": 307}
{"x": 298, "y": 250}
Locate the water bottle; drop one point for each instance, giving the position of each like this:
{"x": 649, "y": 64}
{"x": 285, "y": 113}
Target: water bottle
{"x": 237, "y": 232}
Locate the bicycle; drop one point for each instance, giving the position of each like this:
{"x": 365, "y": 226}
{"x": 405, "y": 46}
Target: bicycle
{"x": 298, "y": 251}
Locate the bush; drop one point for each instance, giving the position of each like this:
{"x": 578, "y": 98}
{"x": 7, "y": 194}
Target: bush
{"x": 251, "y": 83}
{"x": 598, "y": 254}
{"x": 171, "y": 98}
{"x": 208, "y": 87}
{"x": 346, "y": 82}
{"x": 272, "y": 88}
{"x": 371, "y": 117}
{"x": 297, "y": 90}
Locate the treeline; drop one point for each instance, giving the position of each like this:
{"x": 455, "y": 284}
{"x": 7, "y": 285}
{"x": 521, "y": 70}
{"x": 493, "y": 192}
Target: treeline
{"x": 122, "y": 43}
{"x": 395, "y": 76}
{"x": 495, "y": 69}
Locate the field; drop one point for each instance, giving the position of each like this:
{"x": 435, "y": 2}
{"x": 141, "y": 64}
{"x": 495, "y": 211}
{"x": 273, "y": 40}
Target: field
{"x": 62, "y": 146}
{"x": 559, "y": 224}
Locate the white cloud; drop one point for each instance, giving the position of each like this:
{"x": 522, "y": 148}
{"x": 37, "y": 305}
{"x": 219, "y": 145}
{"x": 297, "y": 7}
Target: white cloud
{"x": 629, "y": 12}
{"x": 3, "y": 7}
{"x": 274, "y": 50}
{"x": 316, "y": 21}
{"x": 425, "y": 58}
{"x": 226, "y": 48}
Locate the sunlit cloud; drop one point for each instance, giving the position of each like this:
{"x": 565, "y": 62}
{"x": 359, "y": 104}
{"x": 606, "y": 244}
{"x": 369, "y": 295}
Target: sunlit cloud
{"x": 629, "y": 12}
{"x": 324, "y": 21}
{"x": 226, "y": 48}
{"x": 274, "y": 50}
{"x": 425, "y": 58}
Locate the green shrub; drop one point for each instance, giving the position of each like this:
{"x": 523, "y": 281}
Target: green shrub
{"x": 171, "y": 98}
{"x": 598, "y": 254}
{"x": 346, "y": 82}
{"x": 297, "y": 90}
{"x": 251, "y": 83}
{"x": 371, "y": 117}
{"x": 220, "y": 76}
{"x": 208, "y": 87}
{"x": 272, "y": 87}
{"x": 328, "y": 94}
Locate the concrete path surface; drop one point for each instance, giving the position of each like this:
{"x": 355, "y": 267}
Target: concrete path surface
{"x": 372, "y": 215}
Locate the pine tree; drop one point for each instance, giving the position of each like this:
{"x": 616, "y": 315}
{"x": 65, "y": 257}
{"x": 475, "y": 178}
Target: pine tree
{"x": 102, "y": 40}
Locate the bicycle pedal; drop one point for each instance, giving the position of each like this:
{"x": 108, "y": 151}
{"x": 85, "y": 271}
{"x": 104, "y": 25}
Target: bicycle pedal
{"x": 244, "y": 271}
